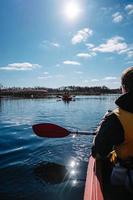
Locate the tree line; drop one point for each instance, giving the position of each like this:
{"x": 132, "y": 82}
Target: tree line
{"x": 34, "y": 92}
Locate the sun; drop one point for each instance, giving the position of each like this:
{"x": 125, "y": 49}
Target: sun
{"x": 72, "y": 10}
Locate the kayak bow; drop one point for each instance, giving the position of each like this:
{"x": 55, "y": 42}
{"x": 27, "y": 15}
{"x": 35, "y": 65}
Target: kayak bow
{"x": 93, "y": 186}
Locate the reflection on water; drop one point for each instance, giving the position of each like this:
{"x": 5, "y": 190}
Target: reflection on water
{"x": 53, "y": 173}
{"x": 23, "y": 172}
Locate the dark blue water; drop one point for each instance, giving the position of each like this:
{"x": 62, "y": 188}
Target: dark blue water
{"x": 23, "y": 155}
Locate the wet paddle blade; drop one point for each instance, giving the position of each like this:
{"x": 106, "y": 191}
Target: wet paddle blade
{"x": 50, "y": 130}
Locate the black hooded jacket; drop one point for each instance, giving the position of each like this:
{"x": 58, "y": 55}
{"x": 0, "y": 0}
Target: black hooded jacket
{"x": 110, "y": 132}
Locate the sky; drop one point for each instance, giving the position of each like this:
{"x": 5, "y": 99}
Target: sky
{"x": 55, "y": 43}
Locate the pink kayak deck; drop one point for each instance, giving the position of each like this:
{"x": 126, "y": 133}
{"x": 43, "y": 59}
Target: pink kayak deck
{"x": 93, "y": 185}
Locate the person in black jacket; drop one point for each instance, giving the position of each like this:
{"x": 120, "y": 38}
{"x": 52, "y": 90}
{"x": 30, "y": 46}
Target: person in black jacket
{"x": 115, "y": 135}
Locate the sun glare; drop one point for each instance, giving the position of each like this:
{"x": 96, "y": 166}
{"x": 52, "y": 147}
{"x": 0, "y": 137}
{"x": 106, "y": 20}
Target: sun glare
{"x": 72, "y": 10}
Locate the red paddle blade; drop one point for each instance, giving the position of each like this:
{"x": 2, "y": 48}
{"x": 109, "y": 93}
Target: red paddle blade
{"x": 50, "y": 130}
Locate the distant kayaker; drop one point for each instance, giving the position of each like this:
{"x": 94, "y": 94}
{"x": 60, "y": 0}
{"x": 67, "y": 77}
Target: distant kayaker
{"x": 66, "y": 94}
{"x": 114, "y": 137}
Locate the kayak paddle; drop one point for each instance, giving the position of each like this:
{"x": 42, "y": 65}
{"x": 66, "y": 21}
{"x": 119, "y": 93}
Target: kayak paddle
{"x": 54, "y": 131}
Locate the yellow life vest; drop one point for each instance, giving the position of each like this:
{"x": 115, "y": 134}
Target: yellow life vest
{"x": 125, "y": 149}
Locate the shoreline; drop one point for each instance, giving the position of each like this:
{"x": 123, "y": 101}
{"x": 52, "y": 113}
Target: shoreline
{"x": 53, "y": 96}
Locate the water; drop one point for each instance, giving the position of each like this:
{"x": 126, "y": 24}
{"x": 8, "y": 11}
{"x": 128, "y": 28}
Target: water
{"x": 23, "y": 155}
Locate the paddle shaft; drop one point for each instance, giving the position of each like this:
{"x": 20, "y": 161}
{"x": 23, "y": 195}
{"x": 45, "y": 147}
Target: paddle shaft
{"x": 82, "y": 133}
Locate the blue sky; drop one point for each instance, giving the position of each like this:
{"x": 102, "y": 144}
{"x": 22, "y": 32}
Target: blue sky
{"x": 54, "y": 43}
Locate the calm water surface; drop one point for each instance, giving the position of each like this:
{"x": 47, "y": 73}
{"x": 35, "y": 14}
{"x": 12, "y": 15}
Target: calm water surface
{"x": 24, "y": 156}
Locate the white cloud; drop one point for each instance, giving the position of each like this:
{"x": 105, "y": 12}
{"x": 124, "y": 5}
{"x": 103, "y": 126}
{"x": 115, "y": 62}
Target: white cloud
{"x": 55, "y": 44}
{"x": 130, "y": 54}
{"x": 92, "y": 54}
{"x": 94, "y": 80}
{"x": 20, "y": 66}
{"x": 115, "y": 44}
{"x": 109, "y": 78}
{"x": 130, "y": 62}
{"x": 106, "y": 10}
{"x": 86, "y": 55}
{"x": 69, "y": 62}
{"x": 45, "y": 77}
{"x": 86, "y": 81}
{"x": 89, "y": 45}
{"x": 129, "y": 9}
{"x": 45, "y": 73}
{"x": 48, "y": 44}
{"x": 83, "y": 55}
{"x": 82, "y": 35}
{"x": 78, "y": 72}
{"x": 57, "y": 65}
{"x": 128, "y": 51}
{"x": 117, "y": 17}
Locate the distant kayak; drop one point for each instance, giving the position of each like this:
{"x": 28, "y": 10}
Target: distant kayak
{"x": 98, "y": 186}
{"x": 64, "y": 98}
